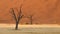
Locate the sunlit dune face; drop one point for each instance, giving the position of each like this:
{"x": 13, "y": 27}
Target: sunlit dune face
{"x": 43, "y": 11}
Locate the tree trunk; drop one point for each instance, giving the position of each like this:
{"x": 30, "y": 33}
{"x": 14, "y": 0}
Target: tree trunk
{"x": 16, "y": 27}
{"x": 31, "y": 20}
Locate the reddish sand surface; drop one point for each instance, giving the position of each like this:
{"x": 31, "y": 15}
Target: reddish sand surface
{"x": 43, "y": 11}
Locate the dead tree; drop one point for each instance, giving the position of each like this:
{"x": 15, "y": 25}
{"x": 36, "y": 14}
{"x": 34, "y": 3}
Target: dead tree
{"x": 31, "y": 19}
{"x": 16, "y": 18}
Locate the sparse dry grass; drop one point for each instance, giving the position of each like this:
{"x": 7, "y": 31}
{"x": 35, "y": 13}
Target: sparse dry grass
{"x": 29, "y": 29}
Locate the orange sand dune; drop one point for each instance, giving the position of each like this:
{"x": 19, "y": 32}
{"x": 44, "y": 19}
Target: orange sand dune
{"x": 44, "y": 11}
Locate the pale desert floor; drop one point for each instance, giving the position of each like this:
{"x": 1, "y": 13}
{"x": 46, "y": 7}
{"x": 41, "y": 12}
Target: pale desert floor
{"x": 30, "y": 29}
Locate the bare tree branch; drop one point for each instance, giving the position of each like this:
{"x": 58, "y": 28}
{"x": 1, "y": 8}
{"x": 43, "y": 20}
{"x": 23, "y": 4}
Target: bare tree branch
{"x": 13, "y": 13}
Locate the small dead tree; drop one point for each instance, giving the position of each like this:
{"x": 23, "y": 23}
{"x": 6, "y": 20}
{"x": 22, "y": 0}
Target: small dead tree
{"x": 16, "y": 18}
{"x": 31, "y": 19}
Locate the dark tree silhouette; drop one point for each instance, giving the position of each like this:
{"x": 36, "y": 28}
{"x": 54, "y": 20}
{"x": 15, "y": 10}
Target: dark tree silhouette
{"x": 18, "y": 17}
{"x": 31, "y": 19}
